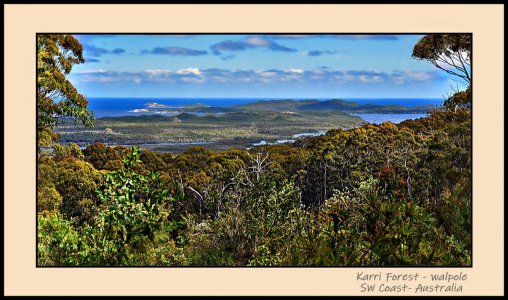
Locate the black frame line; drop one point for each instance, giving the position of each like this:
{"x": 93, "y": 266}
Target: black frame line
{"x": 162, "y": 2}
{"x": 260, "y": 33}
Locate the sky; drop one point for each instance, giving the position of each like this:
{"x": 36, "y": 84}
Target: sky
{"x": 256, "y": 66}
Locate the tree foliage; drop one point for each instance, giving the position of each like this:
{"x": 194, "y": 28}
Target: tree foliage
{"x": 56, "y": 96}
{"x": 448, "y": 52}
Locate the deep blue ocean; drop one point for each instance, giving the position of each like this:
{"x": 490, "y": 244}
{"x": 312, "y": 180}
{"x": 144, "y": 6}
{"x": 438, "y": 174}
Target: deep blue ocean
{"x": 115, "y": 107}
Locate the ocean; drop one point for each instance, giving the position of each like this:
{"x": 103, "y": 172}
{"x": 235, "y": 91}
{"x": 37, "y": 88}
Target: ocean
{"x": 394, "y": 118}
{"x": 116, "y": 107}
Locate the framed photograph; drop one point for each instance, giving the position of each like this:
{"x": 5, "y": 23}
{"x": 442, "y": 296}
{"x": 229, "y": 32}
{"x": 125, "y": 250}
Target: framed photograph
{"x": 322, "y": 149}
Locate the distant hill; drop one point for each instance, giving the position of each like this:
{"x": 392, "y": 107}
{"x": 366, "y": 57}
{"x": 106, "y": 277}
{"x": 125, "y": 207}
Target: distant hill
{"x": 196, "y": 105}
{"x": 335, "y": 104}
{"x": 329, "y": 105}
{"x": 288, "y": 106}
{"x": 275, "y": 105}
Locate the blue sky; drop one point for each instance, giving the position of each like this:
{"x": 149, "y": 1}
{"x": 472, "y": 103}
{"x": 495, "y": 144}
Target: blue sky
{"x": 256, "y": 66}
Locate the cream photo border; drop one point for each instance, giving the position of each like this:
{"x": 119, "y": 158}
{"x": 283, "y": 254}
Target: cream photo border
{"x": 22, "y": 22}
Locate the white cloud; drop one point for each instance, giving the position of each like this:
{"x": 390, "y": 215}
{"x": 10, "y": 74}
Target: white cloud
{"x": 192, "y": 80}
{"x": 192, "y": 75}
{"x": 258, "y": 41}
{"x": 194, "y": 71}
{"x": 267, "y": 74}
{"x": 418, "y": 76}
{"x": 91, "y": 71}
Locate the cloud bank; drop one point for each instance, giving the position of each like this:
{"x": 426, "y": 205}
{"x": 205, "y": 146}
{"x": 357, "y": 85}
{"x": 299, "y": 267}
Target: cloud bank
{"x": 320, "y": 52}
{"x": 91, "y": 60}
{"x": 268, "y": 76}
{"x": 95, "y": 51}
{"x": 249, "y": 43}
{"x": 175, "y": 51}
{"x": 351, "y": 37}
